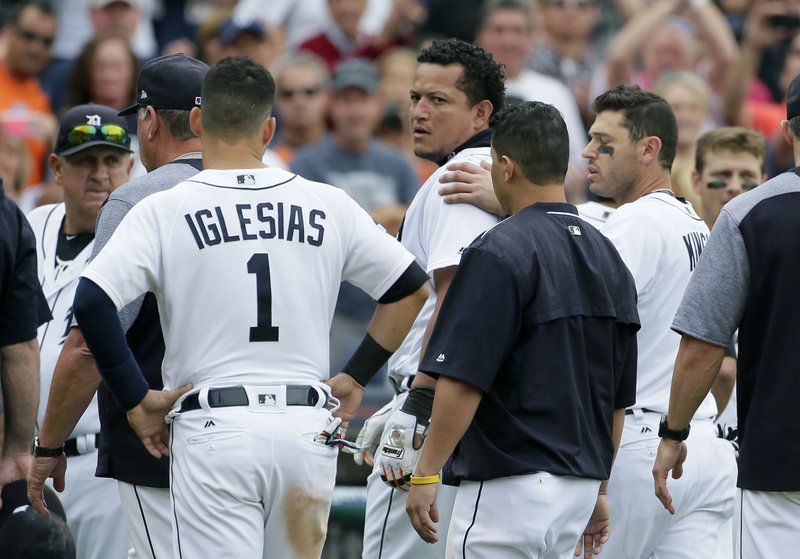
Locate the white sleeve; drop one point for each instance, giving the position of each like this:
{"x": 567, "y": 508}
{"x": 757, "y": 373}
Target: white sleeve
{"x": 636, "y": 244}
{"x": 449, "y": 229}
{"x": 130, "y": 263}
{"x": 374, "y": 260}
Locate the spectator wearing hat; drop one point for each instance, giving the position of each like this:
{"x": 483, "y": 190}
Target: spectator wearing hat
{"x": 92, "y": 157}
{"x": 375, "y": 175}
{"x": 168, "y": 88}
{"x": 247, "y": 38}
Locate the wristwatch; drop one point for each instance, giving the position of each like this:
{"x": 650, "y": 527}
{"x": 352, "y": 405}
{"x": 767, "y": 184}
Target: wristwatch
{"x": 39, "y": 450}
{"x": 673, "y": 434}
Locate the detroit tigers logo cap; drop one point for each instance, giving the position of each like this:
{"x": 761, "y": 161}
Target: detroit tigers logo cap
{"x": 86, "y": 126}
{"x": 793, "y": 99}
{"x": 169, "y": 82}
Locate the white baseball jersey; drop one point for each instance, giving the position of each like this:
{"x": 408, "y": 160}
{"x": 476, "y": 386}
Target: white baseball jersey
{"x": 436, "y": 234}
{"x": 660, "y": 239}
{"x": 58, "y": 280}
{"x": 595, "y": 213}
{"x": 242, "y": 256}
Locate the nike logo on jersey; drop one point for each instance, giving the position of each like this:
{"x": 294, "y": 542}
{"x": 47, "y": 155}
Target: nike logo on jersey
{"x": 244, "y": 222}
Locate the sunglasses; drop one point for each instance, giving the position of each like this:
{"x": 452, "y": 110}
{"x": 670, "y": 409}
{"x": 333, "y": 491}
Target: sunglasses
{"x": 83, "y": 133}
{"x": 29, "y": 37}
{"x": 291, "y": 93}
{"x": 716, "y": 185}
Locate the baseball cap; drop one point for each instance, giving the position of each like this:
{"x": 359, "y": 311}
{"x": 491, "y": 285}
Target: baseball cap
{"x": 356, "y": 72}
{"x": 25, "y": 534}
{"x": 230, "y": 30}
{"x": 793, "y": 99}
{"x": 86, "y": 126}
{"x": 104, "y": 3}
{"x": 174, "y": 81}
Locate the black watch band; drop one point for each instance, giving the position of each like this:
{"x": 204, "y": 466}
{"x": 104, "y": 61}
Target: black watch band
{"x": 673, "y": 434}
{"x": 46, "y": 452}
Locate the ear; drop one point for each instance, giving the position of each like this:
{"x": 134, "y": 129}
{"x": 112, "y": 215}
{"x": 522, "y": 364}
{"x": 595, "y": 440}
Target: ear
{"x": 651, "y": 149}
{"x": 56, "y": 164}
{"x": 155, "y": 123}
{"x": 131, "y": 162}
{"x": 483, "y": 110}
{"x": 195, "y": 122}
{"x": 268, "y": 131}
{"x": 696, "y": 186}
{"x": 787, "y": 132}
{"x": 509, "y": 167}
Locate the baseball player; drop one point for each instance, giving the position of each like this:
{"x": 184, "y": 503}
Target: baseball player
{"x": 660, "y": 238}
{"x": 23, "y": 309}
{"x": 171, "y": 153}
{"x": 746, "y": 279}
{"x": 91, "y": 158}
{"x": 456, "y": 89}
{"x": 537, "y": 398}
{"x": 245, "y": 262}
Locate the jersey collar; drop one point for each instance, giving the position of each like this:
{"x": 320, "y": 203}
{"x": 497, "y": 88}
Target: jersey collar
{"x": 482, "y": 139}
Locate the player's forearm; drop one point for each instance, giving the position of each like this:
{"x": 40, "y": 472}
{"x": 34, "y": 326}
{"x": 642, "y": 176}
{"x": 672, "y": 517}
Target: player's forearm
{"x": 19, "y": 372}
{"x": 719, "y": 40}
{"x": 454, "y": 408}
{"x": 391, "y": 322}
{"x": 696, "y": 368}
{"x": 75, "y": 380}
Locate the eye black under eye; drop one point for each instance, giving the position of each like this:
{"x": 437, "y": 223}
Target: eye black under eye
{"x": 749, "y": 185}
{"x": 716, "y": 185}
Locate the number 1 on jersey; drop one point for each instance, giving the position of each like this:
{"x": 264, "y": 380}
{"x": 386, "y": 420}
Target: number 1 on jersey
{"x": 263, "y": 331}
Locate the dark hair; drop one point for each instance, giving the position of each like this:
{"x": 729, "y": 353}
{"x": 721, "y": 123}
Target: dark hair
{"x": 482, "y": 77}
{"x": 237, "y": 97}
{"x": 794, "y": 124}
{"x": 491, "y": 6}
{"x": 643, "y": 114}
{"x": 79, "y": 89}
{"x": 730, "y": 138}
{"x": 534, "y": 135}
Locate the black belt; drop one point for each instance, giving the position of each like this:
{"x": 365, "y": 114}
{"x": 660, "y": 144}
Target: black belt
{"x": 71, "y": 446}
{"x": 237, "y": 396}
{"x": 629, "y": 411}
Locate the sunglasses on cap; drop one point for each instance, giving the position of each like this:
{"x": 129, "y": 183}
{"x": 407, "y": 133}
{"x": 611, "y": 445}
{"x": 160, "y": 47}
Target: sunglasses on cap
{"x": 83, "y": 133}
{"x": 719, "y": 184}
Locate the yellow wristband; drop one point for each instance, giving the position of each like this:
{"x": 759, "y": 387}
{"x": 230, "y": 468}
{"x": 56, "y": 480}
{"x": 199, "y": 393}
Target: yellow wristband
{"x": 425, "y": 480}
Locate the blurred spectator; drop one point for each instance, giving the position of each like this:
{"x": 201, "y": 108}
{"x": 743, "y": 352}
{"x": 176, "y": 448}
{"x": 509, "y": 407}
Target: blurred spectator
{"x": 702, "y": 42}
{"x": 299, "y": 20}
{"x": 343, "y": 39}
{"x": 376, "y": 176}
{"x": 209, "y": 47}
{"x": 396, "y": 69}
{"x": 15, "y": 166}
{"x": 452, "y": 18}
{"x": 690, "y": 99}
{"x": 105, "y": 73}
{"x": 505, "y": 31}
{"x": 566, "y": 51}
{"x": 301, "y": 103}
{"x": 24, "y": 107}
{"x": 246, "y": 39}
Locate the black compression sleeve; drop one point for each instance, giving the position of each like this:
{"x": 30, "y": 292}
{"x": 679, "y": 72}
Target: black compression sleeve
{"x": 100, "y": 326}
{"x": 367, "y": 360}
{"x": 411, "y": 280}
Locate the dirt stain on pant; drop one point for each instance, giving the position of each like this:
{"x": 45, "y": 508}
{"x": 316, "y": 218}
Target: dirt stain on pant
{"x": 306, "y": 519}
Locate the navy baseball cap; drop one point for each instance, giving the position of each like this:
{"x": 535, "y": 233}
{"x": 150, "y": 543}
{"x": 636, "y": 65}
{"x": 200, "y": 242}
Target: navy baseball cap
{"x": 230, "y": 30}
{"x": 356, "y": 72}
{"x": 174, "y": 81}
{"x": 87, "y": 126}
{"x": 25, "y": 534}
{"x": 793, "y": 99}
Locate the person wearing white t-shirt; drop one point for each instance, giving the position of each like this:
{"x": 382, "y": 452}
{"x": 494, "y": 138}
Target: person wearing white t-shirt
{"x": 245, "y": 262}
{"x": 631, "y": 148}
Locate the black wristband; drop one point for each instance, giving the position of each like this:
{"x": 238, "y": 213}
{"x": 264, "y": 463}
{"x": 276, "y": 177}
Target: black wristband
{"x": 673, "y": 434}
{"x": 419, "y": 403}
{"x": 367, "y": 360}
{"x": 46, "y": 452}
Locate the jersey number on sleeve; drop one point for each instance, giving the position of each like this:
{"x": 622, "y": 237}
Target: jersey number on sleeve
{"x": 263, "y": 331}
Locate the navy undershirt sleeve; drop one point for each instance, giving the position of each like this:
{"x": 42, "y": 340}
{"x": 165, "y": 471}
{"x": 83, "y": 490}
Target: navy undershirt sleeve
{"x": 99, "y": 322}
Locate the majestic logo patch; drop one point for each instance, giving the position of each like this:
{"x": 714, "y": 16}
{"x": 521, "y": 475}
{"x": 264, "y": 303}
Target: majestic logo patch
{"x": 440, "y": 358}
{"x": 93, "y": 120}
{"x": 143, "y": 95}
{"x": 208, "y": 424}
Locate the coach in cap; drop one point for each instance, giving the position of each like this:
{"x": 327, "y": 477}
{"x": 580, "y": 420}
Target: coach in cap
{"x": 167, "y": 89}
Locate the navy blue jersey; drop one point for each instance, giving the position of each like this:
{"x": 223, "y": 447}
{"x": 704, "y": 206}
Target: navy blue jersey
{"x": 541, "y": 317}
{"x": 23, "y": 307}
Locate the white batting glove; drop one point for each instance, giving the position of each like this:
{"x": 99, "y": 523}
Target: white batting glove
{"x": 369, "y": 438}
{"x": 398, "y": 456}
{"x": 333, "y": 435}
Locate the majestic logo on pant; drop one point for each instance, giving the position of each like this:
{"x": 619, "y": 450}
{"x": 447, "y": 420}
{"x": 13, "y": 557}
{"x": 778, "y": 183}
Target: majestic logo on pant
{"x": 268, "y": 399}
{"x": 208, "y": 424}
{"x": 646, "y": 429}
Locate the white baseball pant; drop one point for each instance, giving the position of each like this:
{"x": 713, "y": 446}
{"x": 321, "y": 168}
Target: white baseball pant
{"x": 250, "y": 481}
{"x": 147, "y": 514}
{"x": 704, "y": 496}
{"x": 767, "y": 523}
{"x": 534, "y": 516}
